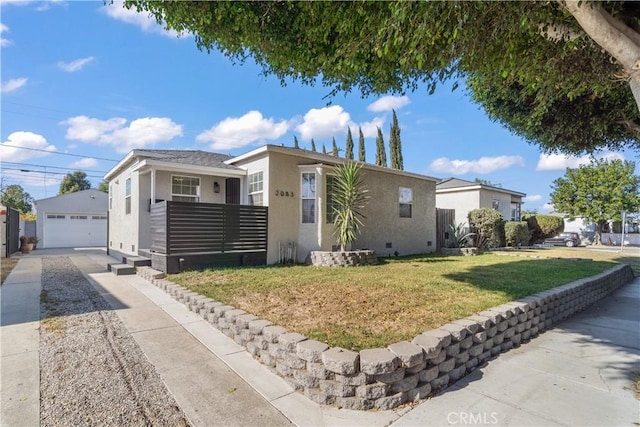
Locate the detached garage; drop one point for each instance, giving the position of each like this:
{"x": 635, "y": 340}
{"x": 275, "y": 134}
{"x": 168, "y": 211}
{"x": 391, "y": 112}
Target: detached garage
{"x": 72, "y": 220}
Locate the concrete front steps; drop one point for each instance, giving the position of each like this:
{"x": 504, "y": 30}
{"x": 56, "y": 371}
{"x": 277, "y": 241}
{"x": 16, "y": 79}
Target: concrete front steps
{"x": 129, "y": 265}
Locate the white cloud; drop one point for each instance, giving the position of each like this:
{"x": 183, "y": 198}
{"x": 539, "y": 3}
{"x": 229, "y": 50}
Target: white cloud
{"x": 144, "y": 20}
{"x": 237, "y": 132}
{"x": 482, "y": 165}
{"x": 87, "y": 162}
{"x": 4, "y": 42}
{"x": 13, "y": 84}
{"x": 140, "y": 133}
{"x": 75, "y": 65}
{"x": 547, "y": 207}
{"x": 550, "y": 162}
{"x": 369, "y": 129}
{"x": 533, "y": 198}
{"x": 388, "y": 103}
{"x": 23, "y": 140}
{"x": 324, "y": 122}
{"x": 33, "y": 178}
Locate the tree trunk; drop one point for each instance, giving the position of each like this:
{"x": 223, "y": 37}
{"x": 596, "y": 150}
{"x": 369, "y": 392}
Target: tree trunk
{"x": 618, "y": 39}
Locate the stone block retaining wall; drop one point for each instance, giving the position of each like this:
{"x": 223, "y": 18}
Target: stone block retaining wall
{"x": 343, "y": 259}
{"x": 385, "y": 378}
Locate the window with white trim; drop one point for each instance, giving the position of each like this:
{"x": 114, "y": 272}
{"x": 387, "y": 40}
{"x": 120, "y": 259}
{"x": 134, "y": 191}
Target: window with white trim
{"x": 127, "y": 196}
{"x": 405, "y": 199}
{"x": 495, "y": 204}
{"x": 308, "y": 196}
{"x": 185, "y": 188}
{"x": 256, "y": 185}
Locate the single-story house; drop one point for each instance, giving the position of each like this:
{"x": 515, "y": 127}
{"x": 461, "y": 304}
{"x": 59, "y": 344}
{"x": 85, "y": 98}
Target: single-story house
{"x": 293, "y": 184}
{"x": 465, "y": 196}
{"x": 72, "y": 220}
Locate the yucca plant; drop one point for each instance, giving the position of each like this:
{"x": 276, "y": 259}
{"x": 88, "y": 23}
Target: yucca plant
{"x": 459, "y": 237}
{"x": 350, "y": 196}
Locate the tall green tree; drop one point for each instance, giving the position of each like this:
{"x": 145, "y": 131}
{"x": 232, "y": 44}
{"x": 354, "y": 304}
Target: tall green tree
{"x": 296, "y": 144}
{"x": 381, "y": 154}
{"x": 562, "y": 74}
{"x": 350, "y": 196}
{"x": 334, "y": 149}
{"x": 14, "y": 196}
{"x": 324, "y": 149}
{"x": 313, "y": 145}
{"x": 598, "y": 192}
{"x": 395, "y": 145}
{"x": 73, "y": 182}
{"x": 104, "y": 186}
{"x": 362, "y": 156}
{"x": 348, "y": 151}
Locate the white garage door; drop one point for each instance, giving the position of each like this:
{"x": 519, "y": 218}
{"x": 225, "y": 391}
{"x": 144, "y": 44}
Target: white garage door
{"x": 66, "y": 230}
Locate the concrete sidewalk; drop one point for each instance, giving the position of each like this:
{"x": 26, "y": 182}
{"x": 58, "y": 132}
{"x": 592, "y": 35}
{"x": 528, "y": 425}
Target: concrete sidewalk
{"x": 577, "y": 373}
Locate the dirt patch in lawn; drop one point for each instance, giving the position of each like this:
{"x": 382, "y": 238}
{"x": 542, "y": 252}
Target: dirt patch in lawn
{"x": 6, "y": 265}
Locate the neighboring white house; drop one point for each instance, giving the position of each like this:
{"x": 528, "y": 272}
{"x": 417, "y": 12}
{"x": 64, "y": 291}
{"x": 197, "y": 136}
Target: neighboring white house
{"x": 465, "y": 196}
{"x": 72, "y": 220}
{"x": 293, "y": 184}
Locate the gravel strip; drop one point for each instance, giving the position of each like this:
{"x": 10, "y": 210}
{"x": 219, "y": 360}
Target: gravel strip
{"x": 92, "y": 371}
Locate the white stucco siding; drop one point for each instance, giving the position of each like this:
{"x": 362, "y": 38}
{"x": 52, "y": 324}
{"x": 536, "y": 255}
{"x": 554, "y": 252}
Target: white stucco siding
{"x": 84, "y": 203}
{"x": 383, "y": 223}
{"x": 488, "y": 197}
{"x": 123, "y": 227}
{"x": 463, "y": 202}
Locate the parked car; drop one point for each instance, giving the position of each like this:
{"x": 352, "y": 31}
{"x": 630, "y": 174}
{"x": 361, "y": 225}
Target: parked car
{"x": 564, "y": 239}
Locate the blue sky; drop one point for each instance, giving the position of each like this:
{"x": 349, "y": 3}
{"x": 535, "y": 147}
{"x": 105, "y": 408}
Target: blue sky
{"x": 86, "y": 83}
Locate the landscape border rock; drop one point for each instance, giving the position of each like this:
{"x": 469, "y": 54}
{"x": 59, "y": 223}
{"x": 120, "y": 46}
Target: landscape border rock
{"x": 385, "y": 378}
{"x": 343, "y": 259}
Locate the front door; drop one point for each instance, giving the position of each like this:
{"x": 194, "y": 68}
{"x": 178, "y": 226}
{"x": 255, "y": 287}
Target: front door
{"x": 232, "y": 191}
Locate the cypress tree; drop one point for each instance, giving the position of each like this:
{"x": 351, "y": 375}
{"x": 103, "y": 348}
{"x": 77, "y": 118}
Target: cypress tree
{"x": 395, "y": 145}
{"x": 361, "y": 153}
{"x": 313, "y": 145}
{"x": 334, "y": 149}
{"x": 324, "y": 149}
{"x": 348, "y": 151}
{"x": 381, "y": 155}
{"x": 295, "y": 142}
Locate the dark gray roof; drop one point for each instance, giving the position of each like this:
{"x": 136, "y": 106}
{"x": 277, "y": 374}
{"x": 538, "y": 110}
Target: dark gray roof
{"x": 189, "y": 157}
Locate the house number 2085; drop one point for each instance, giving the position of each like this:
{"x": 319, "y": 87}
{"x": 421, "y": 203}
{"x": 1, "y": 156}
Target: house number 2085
{"x": 282, "y": 193}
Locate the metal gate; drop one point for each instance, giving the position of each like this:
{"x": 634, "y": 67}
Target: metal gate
{"x": 13, "y": 230}
{"x": 444, "y": 217}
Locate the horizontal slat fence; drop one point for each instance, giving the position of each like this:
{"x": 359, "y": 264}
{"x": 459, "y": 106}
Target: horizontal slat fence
{"x": 190, "y": 228}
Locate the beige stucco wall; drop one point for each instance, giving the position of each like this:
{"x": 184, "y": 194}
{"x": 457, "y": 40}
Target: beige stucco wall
{"x": 504, "y": 199}
{"x": 382, "y": 225}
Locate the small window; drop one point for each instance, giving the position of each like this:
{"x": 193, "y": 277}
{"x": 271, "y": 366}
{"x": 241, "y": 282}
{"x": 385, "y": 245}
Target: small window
{"x": 56, "y": 216}
{"x": 495, "y": 204}
{"x": 308, "y": 196}
{"x": 78, "y": 217}
{"x": 406, "y": 202}
{"x": 185, "y": 189}
{"x": 127, "y": 196}
{"x": 330, "y": 203}
{"x": 99, "y": 217}
{"x": 255, "y": 189}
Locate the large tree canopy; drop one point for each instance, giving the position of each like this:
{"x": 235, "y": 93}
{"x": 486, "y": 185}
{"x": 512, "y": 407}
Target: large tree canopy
{"x": 73, "y": 182}
{"x": 560, "y": 73}
{"x": 598, "y": 192}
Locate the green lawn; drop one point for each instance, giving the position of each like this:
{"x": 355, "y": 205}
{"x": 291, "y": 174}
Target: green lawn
{"x": 366, "y": 307}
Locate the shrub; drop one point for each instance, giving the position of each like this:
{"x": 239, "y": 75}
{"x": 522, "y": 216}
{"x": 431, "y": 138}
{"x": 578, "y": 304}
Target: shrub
{"x": 516, "y": 233}
{"x": 459, "y": 238}
{"x": 485, "y": 223}
{"x": 543, "y": 226}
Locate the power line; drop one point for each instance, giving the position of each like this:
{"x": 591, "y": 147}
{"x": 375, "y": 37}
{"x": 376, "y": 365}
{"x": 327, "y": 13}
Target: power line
{"x": 45, "y": 172}
{"x": 53, "y": 167}
{"x": 55, "y": 152}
